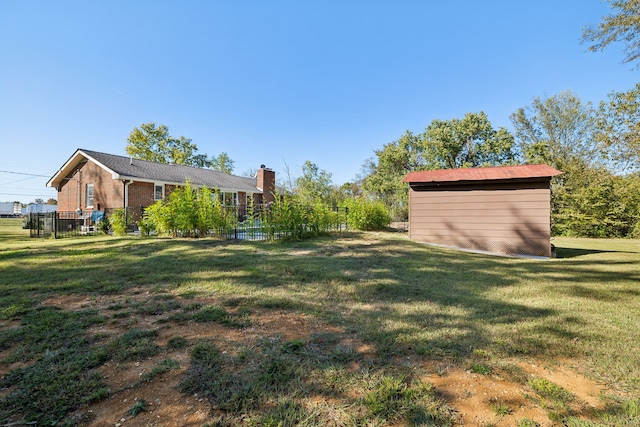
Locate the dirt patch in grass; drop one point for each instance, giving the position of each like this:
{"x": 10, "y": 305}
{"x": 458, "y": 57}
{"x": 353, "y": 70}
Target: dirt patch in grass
{"x": 165, "y": 405}
{"x": 499, "y": 398}
{"x": 472, "y": 394}
{"x": 587, "y": 391}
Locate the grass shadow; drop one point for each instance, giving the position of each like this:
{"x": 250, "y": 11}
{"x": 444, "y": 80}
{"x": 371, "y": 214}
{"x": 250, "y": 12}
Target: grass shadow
{"x": 400, "y": 298}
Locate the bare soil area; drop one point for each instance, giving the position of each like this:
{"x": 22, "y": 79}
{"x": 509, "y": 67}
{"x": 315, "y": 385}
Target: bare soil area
{"x": 474, "y": 396}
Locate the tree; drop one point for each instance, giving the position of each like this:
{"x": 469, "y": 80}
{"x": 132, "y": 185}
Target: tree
{"x": 221, "y": 163}
{"x": 557, "y": 131}
{"x": 314, "y": 185}
{"x": 467, "y": 142}
{"x": 154, "y": 143}
{"x": 394, "y": 161}
{"x": 623, "y": 26}
{"x": 619, "y": 129}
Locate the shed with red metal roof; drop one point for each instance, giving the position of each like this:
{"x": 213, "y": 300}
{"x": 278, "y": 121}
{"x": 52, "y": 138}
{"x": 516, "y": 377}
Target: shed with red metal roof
{"x": 502, "y": 209}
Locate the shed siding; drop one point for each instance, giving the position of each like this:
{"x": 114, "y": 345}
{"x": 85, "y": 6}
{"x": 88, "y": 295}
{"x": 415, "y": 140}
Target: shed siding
{"x": 494, "y": 219}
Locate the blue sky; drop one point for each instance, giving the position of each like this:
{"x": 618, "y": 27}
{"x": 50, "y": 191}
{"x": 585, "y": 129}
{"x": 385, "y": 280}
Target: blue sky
{"x": 277, "y": 82}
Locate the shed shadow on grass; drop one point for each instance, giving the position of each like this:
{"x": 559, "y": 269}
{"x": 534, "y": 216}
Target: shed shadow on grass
{"x": 576, "y": 252}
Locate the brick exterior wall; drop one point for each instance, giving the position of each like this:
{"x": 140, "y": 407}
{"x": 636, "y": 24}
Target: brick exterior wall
{"x": 141, "y": 194}
{"x": 242, "y": 198}
{"x": 267, "y": 182}
{"x": 108, "y": 193}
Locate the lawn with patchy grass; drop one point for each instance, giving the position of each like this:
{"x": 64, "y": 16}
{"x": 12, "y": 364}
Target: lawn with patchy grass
{"x": 350, "y": 329}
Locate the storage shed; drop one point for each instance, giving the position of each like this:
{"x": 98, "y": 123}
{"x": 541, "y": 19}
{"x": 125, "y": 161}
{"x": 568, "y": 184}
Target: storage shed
{"x": 497, "y": 209}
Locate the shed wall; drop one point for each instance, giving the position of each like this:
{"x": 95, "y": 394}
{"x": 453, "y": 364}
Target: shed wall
{"x": 495, "y": 218}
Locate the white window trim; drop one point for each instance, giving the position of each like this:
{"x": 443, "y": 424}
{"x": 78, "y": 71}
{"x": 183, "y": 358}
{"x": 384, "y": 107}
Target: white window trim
{"x": 157, "y": 184}
{"x": 86, "y": 195}
{"x": 234, "y": 197}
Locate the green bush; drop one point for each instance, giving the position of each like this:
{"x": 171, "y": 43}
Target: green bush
{"x": 289, "y": 217}
{"x": 367, "y": 214}
{"x": 601, "y": 205}
{"x": 182, "y": 203}
{"x": 103, "y": 226}
{"x": 118, "y": 222}
{"x": 189, "y": 212}
{"x": 32, "y": 223}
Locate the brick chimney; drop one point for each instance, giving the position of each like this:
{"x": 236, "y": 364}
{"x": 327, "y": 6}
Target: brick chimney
{"x": 267, "y": 183}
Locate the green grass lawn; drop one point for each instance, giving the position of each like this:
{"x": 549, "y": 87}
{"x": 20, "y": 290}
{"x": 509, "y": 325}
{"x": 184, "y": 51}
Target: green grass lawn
{"x": 409, "y": 303}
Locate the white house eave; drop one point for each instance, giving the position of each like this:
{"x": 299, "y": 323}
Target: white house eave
{"x": 180, "y": 184}
{"x": 71, "y": 164}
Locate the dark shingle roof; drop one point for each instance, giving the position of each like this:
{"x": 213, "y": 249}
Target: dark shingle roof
{"x": 142, "y": 170}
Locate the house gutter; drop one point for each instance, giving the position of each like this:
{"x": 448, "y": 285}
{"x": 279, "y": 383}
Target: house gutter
{"x": 125, "y": 198}
{"x": 79, "y": 209}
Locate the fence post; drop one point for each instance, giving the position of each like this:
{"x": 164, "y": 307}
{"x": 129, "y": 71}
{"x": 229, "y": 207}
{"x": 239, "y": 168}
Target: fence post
{"x": 346, "y": 218}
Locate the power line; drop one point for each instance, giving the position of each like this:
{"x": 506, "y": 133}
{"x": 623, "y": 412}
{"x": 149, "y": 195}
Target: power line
{"x": 22, "y": 173}
{"x": 29, "y": 195}
{"x": 29, "y": 176}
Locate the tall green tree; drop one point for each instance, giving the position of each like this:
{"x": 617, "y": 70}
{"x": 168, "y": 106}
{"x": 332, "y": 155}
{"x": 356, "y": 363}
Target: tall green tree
{"x": 222, "y": 162}
{"x": 154, "y": 143}
{"x": 622, "y": 26}
{"x": 314, "y": 185}
{"x": 558, "y": 131}
{"x": 394, "y": 161}
{"x": 619, "y": 129}
{"x": 467, "y": 142}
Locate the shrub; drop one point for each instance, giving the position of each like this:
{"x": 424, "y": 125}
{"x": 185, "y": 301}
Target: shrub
{"x": 367, "y": 214}
{"x": 118, "y": 222}
{"x": 289, "y": 217}
{"x": 284, "y": 218}
{"x": 158, "y": 217}
{"x": 189, "y": 212}
{"x": 182, "y": 204}
{"x": 32, "y": 223}
{"x": 103, "y": 226}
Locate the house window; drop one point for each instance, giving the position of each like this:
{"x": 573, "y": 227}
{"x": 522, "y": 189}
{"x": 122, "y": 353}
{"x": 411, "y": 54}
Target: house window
{"x": 89, "y": 194}
{"x": 229, "y": 199}
{"x": 158, "y": 193}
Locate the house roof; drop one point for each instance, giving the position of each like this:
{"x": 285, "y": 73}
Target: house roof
{"x": 497, "y": 173}
{"x": 126, "y": 168}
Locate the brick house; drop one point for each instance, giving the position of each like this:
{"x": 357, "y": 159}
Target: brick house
{"x": 497, "y": 209}
{"x": 92, "y": 181}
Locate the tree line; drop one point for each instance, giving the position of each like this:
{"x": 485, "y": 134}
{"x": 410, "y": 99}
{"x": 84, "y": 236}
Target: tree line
{"x": 596, "y": 148}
